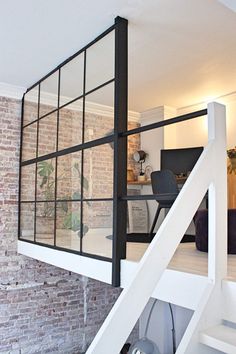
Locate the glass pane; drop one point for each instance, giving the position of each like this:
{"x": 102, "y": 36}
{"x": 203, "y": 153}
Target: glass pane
{"x": 134, "y": 167}
{"x": 28, "y": 182}
{"x": 29, "y": 142}
{"x": 27, "y": 221}
{"x": 47, "y": 134}
{"x": 72, "y": 75}
{"x": 100, "y": 61}
{"x": 69, "y": 176}
{"x": 70, "y": 125}
{"x": 97, "y": 227}
{"x": 46, "y": 180}
{"x": 68, "y": 225}
{"x": 98, "y": 172}
{"x": 138, "y": 215}
{"x": 31, "y": 106}
{"x": 48, "y": 94}
{"x": 45, "y": 223}
{"x": 99, "y": 113}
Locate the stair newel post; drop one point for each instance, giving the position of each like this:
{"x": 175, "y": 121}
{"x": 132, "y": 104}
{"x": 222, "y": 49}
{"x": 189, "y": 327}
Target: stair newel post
{"x": 217, "y": 240}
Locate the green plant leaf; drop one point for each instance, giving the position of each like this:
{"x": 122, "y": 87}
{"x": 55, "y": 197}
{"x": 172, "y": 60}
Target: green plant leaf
{"x": 76, "y": 166}
{"x": 45, "y": 168}
{"x": 64, "y": 206}
{"x": 44, "y": 181}
{"x": 72, "y": 221}
{"x": 85, "y": 229}
{"x": 76, "y": 195}
{"x": 86, "y": 184}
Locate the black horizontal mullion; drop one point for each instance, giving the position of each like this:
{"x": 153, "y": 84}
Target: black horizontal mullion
{"x": 68, "y": 200}
{"x": 99, "y": 87}
{"x": 165, "y": 122}
{"x": 141, "y": 129}
{"x": 148, "y": 196}
{"x": 44, "y": 116}
{"x": 30, "y": 123}
{"x": 48, "y": 114}
{"x": 98, "y": 199}
{"x": 87, "y": 145}
{"x": 72, "y": 101}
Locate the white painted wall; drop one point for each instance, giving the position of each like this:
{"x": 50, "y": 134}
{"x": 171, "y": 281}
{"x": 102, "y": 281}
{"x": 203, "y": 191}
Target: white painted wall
{"x": 155, "y": 140}
{"x": 185, "y": 134}
{"x": 194, "y": 132}
{"x": 152, "y": 142}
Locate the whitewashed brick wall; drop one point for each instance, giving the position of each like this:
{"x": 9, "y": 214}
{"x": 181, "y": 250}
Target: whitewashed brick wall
{"x": 43, "y": 309}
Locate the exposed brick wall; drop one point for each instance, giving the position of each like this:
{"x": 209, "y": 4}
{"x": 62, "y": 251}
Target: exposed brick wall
{"x": 43, "y": 309}
{"x": 98, "y": 170}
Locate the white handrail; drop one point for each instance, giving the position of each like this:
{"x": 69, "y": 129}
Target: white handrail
{"x": 134, "y": 298}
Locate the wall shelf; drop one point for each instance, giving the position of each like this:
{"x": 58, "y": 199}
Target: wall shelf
{"x": 144, "y": 183}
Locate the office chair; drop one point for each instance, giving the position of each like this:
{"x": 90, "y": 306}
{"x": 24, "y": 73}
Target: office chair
{"x": 165, "y": 188}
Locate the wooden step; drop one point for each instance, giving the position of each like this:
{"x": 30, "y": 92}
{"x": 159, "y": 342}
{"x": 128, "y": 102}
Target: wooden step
{"x": 221, "y": 337}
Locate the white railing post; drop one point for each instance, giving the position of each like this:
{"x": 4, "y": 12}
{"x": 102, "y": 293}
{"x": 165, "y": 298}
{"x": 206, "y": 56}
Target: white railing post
{"x": 217, "y": 256}
{"x": 208, "y": 313}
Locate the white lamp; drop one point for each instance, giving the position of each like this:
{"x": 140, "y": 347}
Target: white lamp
{"x": 144, "y": 346}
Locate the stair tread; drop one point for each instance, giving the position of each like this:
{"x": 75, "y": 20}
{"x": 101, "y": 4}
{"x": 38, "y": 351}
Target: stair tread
{"x": 220, "y": 337}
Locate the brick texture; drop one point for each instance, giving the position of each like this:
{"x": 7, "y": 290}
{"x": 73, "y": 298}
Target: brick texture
{"x": 98, "y": 168}
{"x": 43, "y": 309}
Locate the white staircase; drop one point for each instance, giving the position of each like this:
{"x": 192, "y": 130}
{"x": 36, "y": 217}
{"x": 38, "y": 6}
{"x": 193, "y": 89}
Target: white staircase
{"x": 208, "y": 174}
{"x": 221, "y": 337}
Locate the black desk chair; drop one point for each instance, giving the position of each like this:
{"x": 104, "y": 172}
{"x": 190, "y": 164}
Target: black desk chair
{"x": 165, "y": 188}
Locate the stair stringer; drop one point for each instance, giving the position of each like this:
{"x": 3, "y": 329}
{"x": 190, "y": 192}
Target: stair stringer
{"x": 208, "y": 314}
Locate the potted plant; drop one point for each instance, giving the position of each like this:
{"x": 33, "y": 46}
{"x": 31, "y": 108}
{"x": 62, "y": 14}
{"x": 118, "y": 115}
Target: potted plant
{"x": 45, "y": 211}
{"x": 231, "y": 178}
{"x": 232, "y": 160}
{"x": 71, "y": 218}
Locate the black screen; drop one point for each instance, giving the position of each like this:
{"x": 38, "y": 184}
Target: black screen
{"x": 180, "y": 161}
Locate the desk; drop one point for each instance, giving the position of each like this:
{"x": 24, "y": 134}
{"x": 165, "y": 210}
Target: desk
{"x": 179, "y": 180}
{"x": 138, "y": 183}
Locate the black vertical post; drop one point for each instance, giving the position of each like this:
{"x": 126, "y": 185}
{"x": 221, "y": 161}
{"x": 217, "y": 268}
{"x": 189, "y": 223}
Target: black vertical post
{"x": 19, "y": 186}
{"x": 36, "y": 164}
{"x": 120, "y": 147}
{"x": 82, "y": 160}
{"x": 56, "y": 160}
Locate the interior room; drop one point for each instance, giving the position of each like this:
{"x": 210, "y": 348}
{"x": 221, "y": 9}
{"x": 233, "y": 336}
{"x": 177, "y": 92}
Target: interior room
{"x": 110, "y": 141}
{"x": 172, "y": 147}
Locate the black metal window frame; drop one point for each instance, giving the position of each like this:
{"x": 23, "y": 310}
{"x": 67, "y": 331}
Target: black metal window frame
{"x": 120, "y": 124}
{"x": 119, "y": 140}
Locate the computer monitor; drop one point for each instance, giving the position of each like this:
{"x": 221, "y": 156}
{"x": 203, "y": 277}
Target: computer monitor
{"x": 180, "y": 161}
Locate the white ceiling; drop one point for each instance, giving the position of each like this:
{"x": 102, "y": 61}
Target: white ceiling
{"x": 180, "y": 51}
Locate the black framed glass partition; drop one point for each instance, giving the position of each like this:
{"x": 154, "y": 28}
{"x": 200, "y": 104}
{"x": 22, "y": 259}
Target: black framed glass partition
{"x": 73, "y": 161}
{"x": 69, "y": 195}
